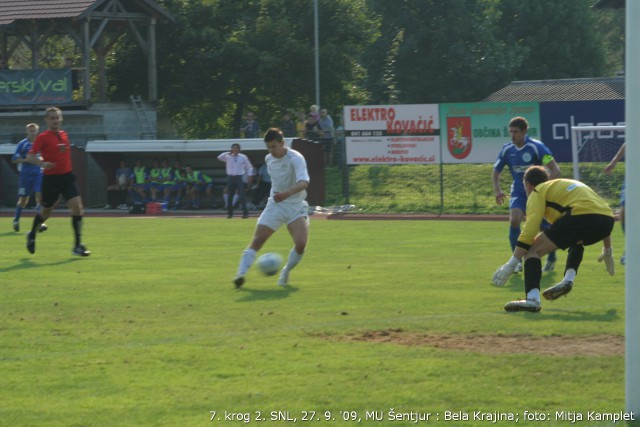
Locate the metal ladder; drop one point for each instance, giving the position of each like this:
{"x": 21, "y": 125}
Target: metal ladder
{"x": 141, "y": 113}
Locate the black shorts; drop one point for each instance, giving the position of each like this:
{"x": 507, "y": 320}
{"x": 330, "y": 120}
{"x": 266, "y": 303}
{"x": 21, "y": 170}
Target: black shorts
{"x": 571, "y": 229}
{"x": 55, "y": 185}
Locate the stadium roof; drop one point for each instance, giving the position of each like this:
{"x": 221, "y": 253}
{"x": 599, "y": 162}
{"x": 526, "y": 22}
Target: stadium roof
{"x": 19, "y": 10}
{"x": 561, "y": 90}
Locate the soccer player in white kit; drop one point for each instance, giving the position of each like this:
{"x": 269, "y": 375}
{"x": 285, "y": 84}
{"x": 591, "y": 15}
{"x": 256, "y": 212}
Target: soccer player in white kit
{"x": 286, "y": 205}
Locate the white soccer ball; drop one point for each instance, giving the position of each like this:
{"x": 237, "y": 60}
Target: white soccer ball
{"x": 269, "y": 263}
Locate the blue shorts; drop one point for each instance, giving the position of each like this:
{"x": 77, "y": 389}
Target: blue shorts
{"x": 518, "y": 200}
{"x": 28, "y": 184}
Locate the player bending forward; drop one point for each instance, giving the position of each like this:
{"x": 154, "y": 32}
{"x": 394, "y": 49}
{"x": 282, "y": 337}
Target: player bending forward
{"x": 286, "y": 205}
{"x": 578, "y": 216}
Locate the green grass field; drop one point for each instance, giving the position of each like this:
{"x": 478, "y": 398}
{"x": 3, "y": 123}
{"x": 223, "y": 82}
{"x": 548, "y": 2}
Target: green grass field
{"x": 149, "y": 330}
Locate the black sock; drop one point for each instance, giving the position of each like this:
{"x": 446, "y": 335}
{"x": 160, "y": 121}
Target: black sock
{"x": 37, "y": 220}
{"x": 76, "y": 220}
{"x": 574, "y": 257}
{"x": 532, "y": 274}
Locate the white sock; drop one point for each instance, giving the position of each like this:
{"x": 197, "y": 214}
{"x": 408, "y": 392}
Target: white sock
{"x": 225, "y": 197}
{"x": 248, "y": 256}
{"x": 534, "y": 294}
{"x": 570, "y": 275}
{"x": 235, "y": 199}
{"x": 293, "y": 259}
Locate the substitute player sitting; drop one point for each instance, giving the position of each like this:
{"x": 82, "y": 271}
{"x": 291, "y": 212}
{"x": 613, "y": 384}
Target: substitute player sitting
{"x": 578, "y": 216}
{"x": 286, "y": 205}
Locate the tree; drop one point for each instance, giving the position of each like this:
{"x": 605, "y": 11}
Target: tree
{"x": 557, "y": 37}
{"x": 223, "y": 58}
{"x": 437, "y": 51}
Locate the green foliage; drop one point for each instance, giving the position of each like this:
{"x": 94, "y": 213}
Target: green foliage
{"x": 223, "y": 58}
{"x": 558, "y": 38}
{"x": 437, "y": 51}
{"x": 149, "y": 330}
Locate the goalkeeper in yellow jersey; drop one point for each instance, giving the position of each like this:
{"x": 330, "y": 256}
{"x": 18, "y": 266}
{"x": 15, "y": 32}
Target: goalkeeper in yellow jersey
{"x": 578, "y": 216}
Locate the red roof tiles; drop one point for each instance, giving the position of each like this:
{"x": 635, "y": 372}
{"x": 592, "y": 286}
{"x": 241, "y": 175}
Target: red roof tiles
{"x": 13, "y": 10}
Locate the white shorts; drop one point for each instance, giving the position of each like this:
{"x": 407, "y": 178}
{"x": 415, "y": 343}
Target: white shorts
{"x": 275, "y": 214}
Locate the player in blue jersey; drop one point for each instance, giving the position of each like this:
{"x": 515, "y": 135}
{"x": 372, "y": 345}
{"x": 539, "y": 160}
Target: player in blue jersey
{"x": 29, "y": 178}
{"x": 518, "y": 155}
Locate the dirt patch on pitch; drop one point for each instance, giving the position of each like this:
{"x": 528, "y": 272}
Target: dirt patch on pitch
{"x": 594, "y": 345}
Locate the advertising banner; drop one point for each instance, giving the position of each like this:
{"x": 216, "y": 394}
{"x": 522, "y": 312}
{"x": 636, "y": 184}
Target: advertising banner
{"x": 558, "y": 117}
{"x": 28, "y": 87}
{"x": 475, "y": 132}
{"x": 392, "y": 134}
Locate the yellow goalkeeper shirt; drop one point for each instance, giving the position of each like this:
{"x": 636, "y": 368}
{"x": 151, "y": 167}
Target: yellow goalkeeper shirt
{"x": 554, "y": 199}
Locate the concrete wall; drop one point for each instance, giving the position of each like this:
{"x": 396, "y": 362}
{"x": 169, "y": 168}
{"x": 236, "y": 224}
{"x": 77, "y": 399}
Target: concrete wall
{"x": 113, "y": 121}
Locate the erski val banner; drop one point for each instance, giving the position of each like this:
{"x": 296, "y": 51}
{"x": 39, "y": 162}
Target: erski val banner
{"x": 29, "y": 87}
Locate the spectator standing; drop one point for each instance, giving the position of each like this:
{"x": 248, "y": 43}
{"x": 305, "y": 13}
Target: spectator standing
{"x": 55, "y": 158}
{"x": 29, "y": 177}
{"x": 288, "y": 126}
{"x": 118, "y": 192}
{"x": 312, "y": 130}
{"x": 301, "y": 125}
{"x": 237, "y": 165}
{"x": 313, "y": 114}
{"x": 326, "y": 135}
{"x": 250, "y": 127}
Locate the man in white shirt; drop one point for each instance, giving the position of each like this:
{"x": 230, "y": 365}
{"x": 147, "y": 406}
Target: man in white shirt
{"x": 286, "y": 205}
{"x": 237, "y": 166}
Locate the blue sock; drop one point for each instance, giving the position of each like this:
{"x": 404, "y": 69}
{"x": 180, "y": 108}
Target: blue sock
{"x": 514, "y": 232}
{"x": 18, "y": 213}
{"x": 552, "y": 257}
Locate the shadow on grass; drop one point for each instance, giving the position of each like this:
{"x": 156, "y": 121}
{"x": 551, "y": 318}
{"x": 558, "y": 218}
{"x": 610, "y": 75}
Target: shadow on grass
{"x": 280, "y": 292}
{"x": 557, "y": 313}
{"x": 26, "y": 263}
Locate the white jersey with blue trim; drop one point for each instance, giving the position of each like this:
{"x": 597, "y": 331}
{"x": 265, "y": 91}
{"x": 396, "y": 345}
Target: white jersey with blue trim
{"x": 285, "y": 172}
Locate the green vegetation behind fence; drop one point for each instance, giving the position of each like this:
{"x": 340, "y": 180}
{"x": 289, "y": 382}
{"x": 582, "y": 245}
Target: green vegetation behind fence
{"x": 456, "y": 188}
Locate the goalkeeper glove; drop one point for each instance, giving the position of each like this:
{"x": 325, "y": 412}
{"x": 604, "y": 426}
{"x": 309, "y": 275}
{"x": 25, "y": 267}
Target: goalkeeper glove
{"x": 502, "y": 274}
{"x": 607, "y": 257}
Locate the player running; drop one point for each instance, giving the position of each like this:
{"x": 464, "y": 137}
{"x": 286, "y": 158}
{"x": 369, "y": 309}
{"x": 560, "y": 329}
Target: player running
{"x": 55, "y": 158}
{"x": 29, "y": 177}
{"x": 286, "y": 205}
{"x": 522, "y": 152}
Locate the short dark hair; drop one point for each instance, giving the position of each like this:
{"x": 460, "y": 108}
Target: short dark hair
{"x": 52, "y": 109}
{"x": 519, "y": 122}
{"x": 536, "y": 175}
{"x": 235, "y": 144}
{"x": 273, "y": 134}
